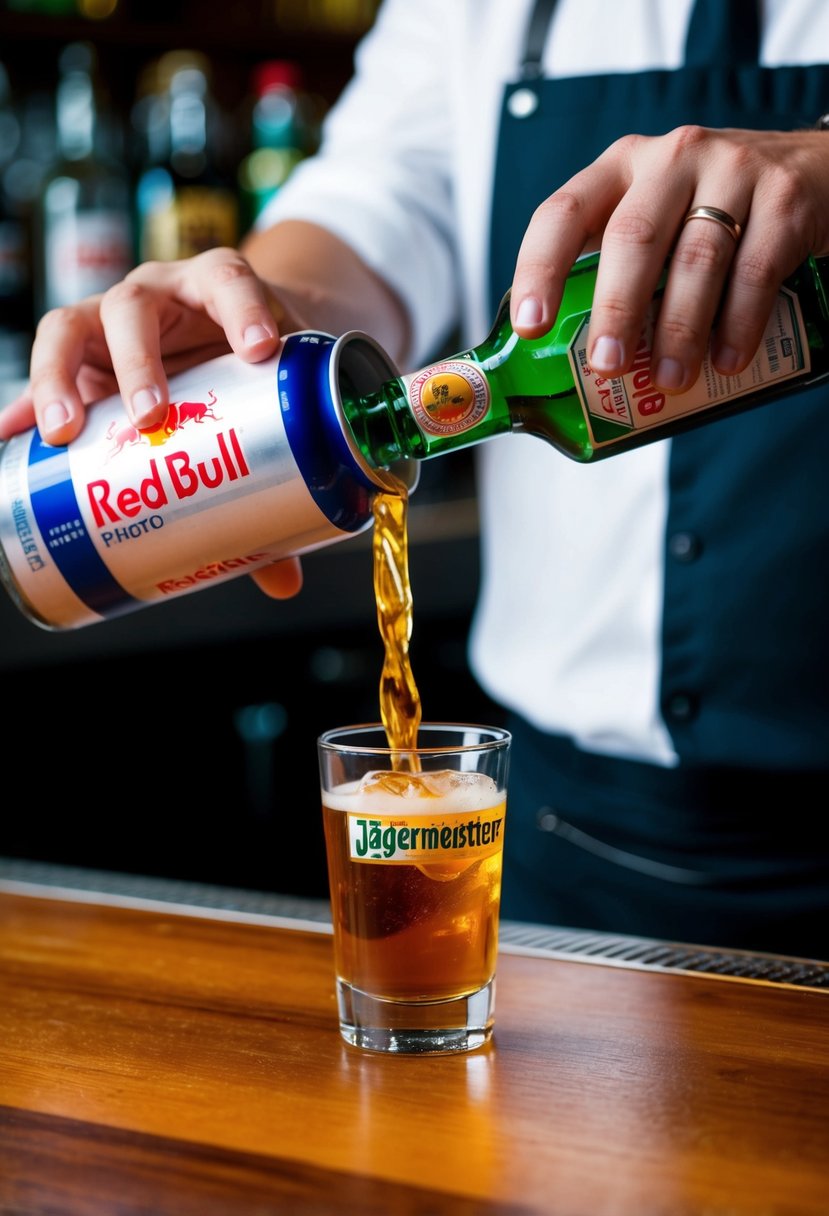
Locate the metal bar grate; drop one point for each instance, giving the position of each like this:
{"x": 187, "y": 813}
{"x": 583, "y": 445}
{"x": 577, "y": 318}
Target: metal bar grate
{"x": 653, "y": 955}
{"x": 516, "y": 937}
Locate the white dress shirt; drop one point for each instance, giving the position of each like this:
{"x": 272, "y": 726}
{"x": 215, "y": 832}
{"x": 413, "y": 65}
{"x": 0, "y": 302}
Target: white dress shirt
{"x": 564, "y": 632}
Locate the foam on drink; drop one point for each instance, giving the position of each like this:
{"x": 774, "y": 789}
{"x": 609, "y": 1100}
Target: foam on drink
{"x": 444, "y": 791}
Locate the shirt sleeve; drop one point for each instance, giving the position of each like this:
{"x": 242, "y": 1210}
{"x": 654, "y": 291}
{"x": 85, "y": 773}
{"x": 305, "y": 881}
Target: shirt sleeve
{"x": 382, "y": 180}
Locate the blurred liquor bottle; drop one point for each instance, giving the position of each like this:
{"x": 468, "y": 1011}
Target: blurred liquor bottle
{"x": 339, "y": 17}
{"x": 284, "y": 128}
{"x": 15, "y": 275}
{"x": 185, "y": 198}
{"x": 84, "y": 239}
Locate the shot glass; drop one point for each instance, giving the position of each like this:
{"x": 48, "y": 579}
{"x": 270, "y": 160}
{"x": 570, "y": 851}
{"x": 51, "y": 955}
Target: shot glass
{"x": 414, "y": 844}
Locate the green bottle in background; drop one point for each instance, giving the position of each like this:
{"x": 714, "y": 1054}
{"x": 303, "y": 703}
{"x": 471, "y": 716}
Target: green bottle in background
{"x": 544, "y": 386}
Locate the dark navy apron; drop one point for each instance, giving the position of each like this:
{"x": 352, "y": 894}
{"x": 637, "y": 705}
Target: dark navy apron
{"x": 724, "y": 848}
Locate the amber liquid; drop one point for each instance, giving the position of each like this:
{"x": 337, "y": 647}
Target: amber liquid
{"x": 412, "y": 933}
{"x": 400, "y": 709}
{"x": 407, "y": 932}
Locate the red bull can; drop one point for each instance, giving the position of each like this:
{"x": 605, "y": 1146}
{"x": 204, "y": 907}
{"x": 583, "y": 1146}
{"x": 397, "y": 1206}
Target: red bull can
{"x": 252, "y": 463}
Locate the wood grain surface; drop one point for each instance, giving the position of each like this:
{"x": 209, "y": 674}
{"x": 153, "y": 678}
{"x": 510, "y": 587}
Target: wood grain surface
{"x": 157, "y": 1062}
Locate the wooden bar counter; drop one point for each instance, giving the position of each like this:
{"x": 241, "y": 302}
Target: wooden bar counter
{"x": 161, "y": 1058}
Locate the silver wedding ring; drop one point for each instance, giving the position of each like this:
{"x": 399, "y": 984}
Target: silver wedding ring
{"x": 722, "y": 218}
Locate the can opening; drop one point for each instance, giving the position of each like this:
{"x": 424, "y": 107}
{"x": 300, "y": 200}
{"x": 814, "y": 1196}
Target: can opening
{"x": 361, "y": 363}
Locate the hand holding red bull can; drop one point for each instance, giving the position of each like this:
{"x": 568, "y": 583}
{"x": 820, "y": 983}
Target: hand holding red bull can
{"x": 250, "y": 464}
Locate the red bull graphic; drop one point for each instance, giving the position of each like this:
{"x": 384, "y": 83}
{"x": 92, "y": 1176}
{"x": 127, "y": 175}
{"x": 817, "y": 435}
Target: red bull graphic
{"x": 126, "y": 434}
{"x": 122, "y": 436}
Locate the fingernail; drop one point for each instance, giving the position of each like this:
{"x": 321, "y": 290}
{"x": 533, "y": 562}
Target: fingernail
{"x": 254, "y": 334}
{"x": 144, "y": 404}
{"x": 607, "y": 355}
{"x": 529, "y": 312}
{"x": 670, "y": 374}
{"x": 726, "y": 360}
{"x": 55, "y": 416}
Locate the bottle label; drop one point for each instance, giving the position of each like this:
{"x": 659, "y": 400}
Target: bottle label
{"x": 633, "y": 402}
{"x": 448, "y": 398}
{"x": 196, "y": 218}
{"x": 85, "y": 253}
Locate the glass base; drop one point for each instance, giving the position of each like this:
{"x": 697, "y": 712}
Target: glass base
{"x": 415, "y": 1028}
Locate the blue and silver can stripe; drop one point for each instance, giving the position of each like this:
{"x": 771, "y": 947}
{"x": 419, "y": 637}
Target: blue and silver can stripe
{"x": 32, "y": 475}
{"x": 59, "y": 519}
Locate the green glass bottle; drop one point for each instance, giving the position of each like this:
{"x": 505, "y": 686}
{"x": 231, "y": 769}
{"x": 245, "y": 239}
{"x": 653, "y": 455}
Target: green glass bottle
{"x": 545, "y": 387}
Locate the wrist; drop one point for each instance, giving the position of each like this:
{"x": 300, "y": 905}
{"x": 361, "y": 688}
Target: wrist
{"x": 320, "y": 280}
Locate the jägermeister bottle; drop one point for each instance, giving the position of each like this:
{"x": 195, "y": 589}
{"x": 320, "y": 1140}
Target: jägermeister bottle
{"x": 545, "y": 386}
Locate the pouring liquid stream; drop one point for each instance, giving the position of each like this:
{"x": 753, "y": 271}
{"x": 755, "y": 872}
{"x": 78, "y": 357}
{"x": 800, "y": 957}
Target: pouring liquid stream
{"x": 400, "y": 708}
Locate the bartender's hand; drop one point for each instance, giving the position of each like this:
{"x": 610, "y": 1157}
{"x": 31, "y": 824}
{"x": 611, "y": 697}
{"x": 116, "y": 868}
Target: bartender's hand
{"x": 167, "y": 316}
{"x": 632, "y": 201}
{"x": 161, "y": 319}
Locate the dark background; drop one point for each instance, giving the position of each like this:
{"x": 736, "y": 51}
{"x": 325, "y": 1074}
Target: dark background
{"x": 236, "y": 35}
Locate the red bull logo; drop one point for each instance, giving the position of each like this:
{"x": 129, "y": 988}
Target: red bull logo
{"x": 176, "y": 476}
{"x": 178, "y": 414}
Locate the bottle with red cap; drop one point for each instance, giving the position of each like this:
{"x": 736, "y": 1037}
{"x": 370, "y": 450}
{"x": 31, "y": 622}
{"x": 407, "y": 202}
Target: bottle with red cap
{"x": 284, "y": 129}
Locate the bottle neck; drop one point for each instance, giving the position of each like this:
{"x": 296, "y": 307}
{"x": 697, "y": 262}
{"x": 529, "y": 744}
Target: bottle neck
{"x": 445, "y": 406}
{"x": 374, "y": 419}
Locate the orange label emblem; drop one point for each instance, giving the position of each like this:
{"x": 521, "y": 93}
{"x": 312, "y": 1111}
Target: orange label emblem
{"x": 448, "y": 398}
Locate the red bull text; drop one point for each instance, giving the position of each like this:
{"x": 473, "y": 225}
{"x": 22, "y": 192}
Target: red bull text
{"x": 252, "y": 463}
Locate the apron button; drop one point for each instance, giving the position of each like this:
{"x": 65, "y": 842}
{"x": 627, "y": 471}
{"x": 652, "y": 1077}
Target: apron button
{"x": 522, "y": 103}
{"x": 681, "y": 707}
{"x": 684, "y": 547}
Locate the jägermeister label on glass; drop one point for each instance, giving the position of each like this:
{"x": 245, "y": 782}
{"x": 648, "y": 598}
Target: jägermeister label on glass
{"x": 414, "y": 839}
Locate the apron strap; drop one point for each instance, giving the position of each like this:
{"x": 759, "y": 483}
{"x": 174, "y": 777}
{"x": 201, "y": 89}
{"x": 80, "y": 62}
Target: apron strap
{"x": 720, "y": 32}
{"x": 536, "y": 38}
{"x": 723, "y": 33}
